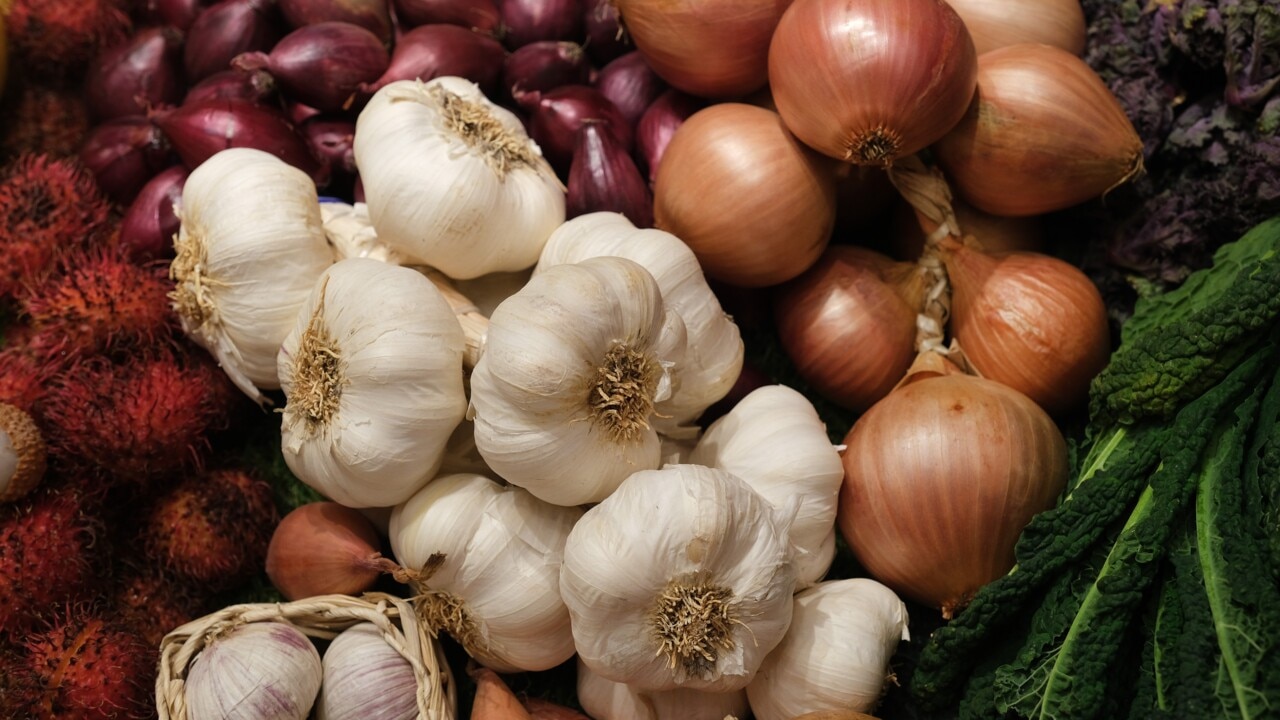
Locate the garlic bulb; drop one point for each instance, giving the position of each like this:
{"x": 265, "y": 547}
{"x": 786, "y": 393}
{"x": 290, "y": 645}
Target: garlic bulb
{"x": 452, "y": 180}
{"x": 574, "y": 365}
{"x": 487, "y": 563}
{"x": 365, "y": 678}
{"x": 373, "y": 375}
{"x": 604, "y": 699}
{"x": 714, "y": 356}
{"x": 259, "y": 670}
{"x": 249, "y": 249}
{"x": 836, "y": 653}
{"x": 681, "y": 578}
{"x": 774, "y": 440}
{"x": 350, "y": 231}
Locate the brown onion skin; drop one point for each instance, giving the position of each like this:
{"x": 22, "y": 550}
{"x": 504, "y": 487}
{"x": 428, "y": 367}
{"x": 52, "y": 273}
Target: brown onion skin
{"x": 941, "y": 477}
{"x": 323, "y": 65}
{"x": 659, "y": 123}
{"x": 432, "y": 51}
{"x": 479, "y": 15}
{"x": 323, "y": 548}
{"x": 148, "y": 226}
{"x": 199, "y": 130}
{"x": 872, "y": 81}
{"x": 850, "y": 298}
{"x": 1043, "y": 134}
{"x": 123, "y": 154}
{"x": 1030, "y": 321}
{"x": 255, "y": 86}
{"x": 710, "y": 48}
{"x": 225, "y": 30}
{"x": 526, "y": 21}
{"x": 144, "y": 72}
{"x": 998, "y": 23}
{"x": 372, "y": 15}
{"x": 753, "y": 203}
{"x": 604, "y": 178}
{"x": 631, "y": 84}
{"x": 992, "y": 232}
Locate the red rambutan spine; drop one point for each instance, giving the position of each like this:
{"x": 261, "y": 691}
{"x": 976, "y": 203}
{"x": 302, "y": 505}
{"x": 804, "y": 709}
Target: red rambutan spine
{"x": 59, "y": 37}
{"x": 153, "y": 602}
{"x": 43, "y": 119}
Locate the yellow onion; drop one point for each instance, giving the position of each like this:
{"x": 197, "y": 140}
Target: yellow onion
{"x": 871, "y": 81}
{"x": 991, "y": 232}
{"x": 997, "y": 23}
{"x": 941, "y": 477}
{"x": 1030, "y": 321}
{"x": 708, "y": 48}
{"x": 1043, "y": 133}
{"x": 754, "y": 204}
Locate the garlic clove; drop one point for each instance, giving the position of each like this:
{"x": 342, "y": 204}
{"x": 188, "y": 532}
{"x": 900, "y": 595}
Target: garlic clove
{"x": 350, "y": 232}
{"x": 258, "y": 671}
{"x": 23, "y": 454}
{"x": 365, "y": 678}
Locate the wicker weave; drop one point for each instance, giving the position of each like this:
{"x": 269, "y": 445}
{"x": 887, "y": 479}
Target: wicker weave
{"x": 319, "y": 617}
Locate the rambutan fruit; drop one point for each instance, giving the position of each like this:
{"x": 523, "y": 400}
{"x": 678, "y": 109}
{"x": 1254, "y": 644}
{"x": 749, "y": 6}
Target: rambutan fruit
{"x": 42, "y": 119}
{"x": 59, "y": 37}
{"x": 138, "y": 418}
{"x": 212, "y": 528}
{"x": 23, "y": 376}
{"x": 22, "y": 453}
{"x": 152, "y": 602}
{"x": 48, "y": 551}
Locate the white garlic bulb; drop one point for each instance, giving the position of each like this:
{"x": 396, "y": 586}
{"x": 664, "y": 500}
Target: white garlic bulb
{"x": 575, "y": 364}
{"x": 365, "y": 678}
{"x": 488, "y": 561}
{"x": 373, "y": 375}
{"x": 775, "y": 441}
{"x": 249, "y": 249}
{"x": 604, "y": 699}
{"x": 681, "y": 578}
{"x": 350, "y": 231}
{"x": 836, "y": 653}
{"x": 452, "y": 180}
{"x": 714, "y": 357}
{"x": 259, "y": 671}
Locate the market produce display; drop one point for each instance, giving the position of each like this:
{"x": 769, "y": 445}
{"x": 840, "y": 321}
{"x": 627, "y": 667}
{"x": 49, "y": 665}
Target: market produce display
{"x": 622, "y": 359}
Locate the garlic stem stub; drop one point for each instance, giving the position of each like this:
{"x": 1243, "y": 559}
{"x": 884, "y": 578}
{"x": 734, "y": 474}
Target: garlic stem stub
{"x": 258, "y": 670}
{"x": 250, "y": 247}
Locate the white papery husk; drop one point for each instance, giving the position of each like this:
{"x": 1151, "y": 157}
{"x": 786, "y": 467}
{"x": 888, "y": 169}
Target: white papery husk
{"x": 836, "y": 654}
{"x": 533, "y": 387}
{"x": 775, "y": 441}
{"x": 247, "y": 253}
{"x": 604, "y": 699}
{"x": 350, "y": 231}
{"x": 365, "y": 678}
{"x": 466, "y": 205}
{"x": 495, "y": 551}
{"x": 262, "y": 669}
{"x": 395, "y": 396}
{"x": 714, "y": 357}
{"x": 661, "y": 534}
{"x": 488, "y": 291}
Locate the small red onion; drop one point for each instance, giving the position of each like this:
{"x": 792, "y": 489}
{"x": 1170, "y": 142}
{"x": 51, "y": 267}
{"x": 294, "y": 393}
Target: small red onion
{"x": 226, "y": 30}
{"x": 148, "y": 226}
{"x": 256, "y": 87}
{"x": 528, "y": 21}
{"x": 330, "y": 140}
{"x": 432, "y": 51}
{"x": 605, "y": 38}
{"x": 199, "y": 130}
{"x": 142, "y": 73}
{"x": 659, "y": 122}
{"x": 557, "y": 114}
{"x": 543, "y": 66}
{"x": 174, "y": 13}
{"x": 372, "y": 15}
{"x": 630, "y": 84}
{"x": 123, "y": 154}
{"x": 479, "y": 15}
{"x": 604, "y": 178}
{"x": 299, "y": 113}
{"x": 322, "y": 548}
{"x": 322, "y": 65}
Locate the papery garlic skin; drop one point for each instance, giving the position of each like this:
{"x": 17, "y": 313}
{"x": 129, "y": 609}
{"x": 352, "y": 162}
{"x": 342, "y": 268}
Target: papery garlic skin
{"x": 452, "y": 180}
{"x": 604, "y": 699}
{"x": 681, "y": 578}
{"x": 373, "y": 375}
{"x": 259, "y": 671}
{"x": 365, "y": 678}
{"x": 489, "y": 558}
{"x": 563, "y": 396}
{"x": 488, "y": 291}
{"x": 714, "y": 357}
{"x": 775, "y": 441}
{"x": 836, "y": 653}
{"x": 250, "y": 246}
{"x": 350, "y": 231}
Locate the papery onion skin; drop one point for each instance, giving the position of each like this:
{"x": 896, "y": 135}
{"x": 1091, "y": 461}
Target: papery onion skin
{"x": 199, "y": 130}
{"x": 543, "y": 66}
{"x": 175, "y": 13}
{"x": 659, "y": 123}
{"x": 941, "y": 477}
{"x": 631, "y": 84}
{"x": 557, "y": 115}
{"x": 603, "y": 177}
{"x": 256, "y": 86}
{"x": 323, "y": 64}
{"x": 992, "y": 233}
{"x": 526, "y": 21}
{"x": 479, "y": 15}
{"x": 431, "y": 51}
{"x": 998, "y": 23}
{"x": 223, "y": 31}
{"x": 754, "y": 204}
{"x": 871, "y": 81}
{"x": 123, "y": 154}
{"x": 605, "y": 39}
{"x": 372, "y": 15}
{"x": 144, "y": 72}
{"x": 1043, "y": 134}
{"x": 322, "y": 548}
{"x": 148, "y": 226}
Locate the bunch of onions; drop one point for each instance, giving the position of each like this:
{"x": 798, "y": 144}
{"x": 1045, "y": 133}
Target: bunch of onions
{"x": 1044, "y": 133}
{"x": 941, "y": 477}
{"x": 997, "y": 23}
{"x": 992, "y": 233}
{"x": 871, "y": 81}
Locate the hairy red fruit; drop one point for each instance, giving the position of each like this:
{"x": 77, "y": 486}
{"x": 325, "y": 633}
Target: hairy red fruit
{"x": 59, "y": 37}
{"x": 48, "y": 552}
{"x": 39, "y": 119}
{"x": 152, "y": 602}
{"x": 23, "y": 377}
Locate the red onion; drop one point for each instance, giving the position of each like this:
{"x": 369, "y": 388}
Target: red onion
{"x": 199, "y": 130}
{"x": 603, "y": 177}
{"x": 256, "y": 87}
{"x": 605, "y": 38}
{"x": 372, "y": 15}
{"x": 543, "y": 66}
{"x": 630, "y": 84}
{"x": 322, "y": 65}
{"x": 330, "y": 140}
{"x": 322, "y": 548}
{"x": 123, "y": 154}
{"x": 226, "y": 30}
{"x": 299, "y": 113}
{"x": 556, "y": 116}
{"x": 528, "y": 21}
{"x": 479, "y": 15}
{"x": 150, "y": 223}
{"x": 659, "y": 122}
{"x": 142, "y": 73}
{"x": 433, "y": 51}
{"x": 175, "y": 13}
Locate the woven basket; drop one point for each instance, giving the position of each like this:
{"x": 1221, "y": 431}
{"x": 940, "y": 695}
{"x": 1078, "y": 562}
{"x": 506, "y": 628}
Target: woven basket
{"x": 320, "y": 617}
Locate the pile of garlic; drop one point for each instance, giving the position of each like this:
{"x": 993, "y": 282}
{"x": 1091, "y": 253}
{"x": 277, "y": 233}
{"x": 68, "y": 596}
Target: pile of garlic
{"x": 520, "y": 396}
